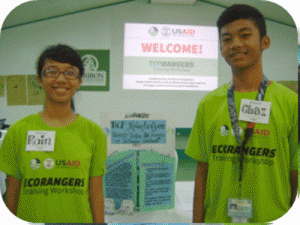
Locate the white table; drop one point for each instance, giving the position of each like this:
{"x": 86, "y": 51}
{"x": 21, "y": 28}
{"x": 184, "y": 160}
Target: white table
{"x": 182, "y": 213}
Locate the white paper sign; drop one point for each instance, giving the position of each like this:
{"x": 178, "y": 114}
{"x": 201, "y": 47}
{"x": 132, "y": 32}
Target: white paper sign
{"x": 255, "y": 111}
{"x": 40, "y": 141}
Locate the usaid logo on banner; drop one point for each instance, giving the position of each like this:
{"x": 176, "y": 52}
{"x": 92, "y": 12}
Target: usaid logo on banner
{"x": 183, "y": 32}
{"x": 40, "y": 141}
{"x": 153, "y": 31}
{"x": 167, "y": 32}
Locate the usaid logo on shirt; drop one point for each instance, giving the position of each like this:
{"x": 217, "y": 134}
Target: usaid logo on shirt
{"x": 224, "y": 130}
{"x": 35, "y": 164}
{"x": 67, "y": 163}
{"x": 240, "y": 131}
{"x": 40, "y": 141}
{"x": 48, "y": 163}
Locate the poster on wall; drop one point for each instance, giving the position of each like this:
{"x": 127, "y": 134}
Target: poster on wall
{"x": 298, "y": 54}
{"x": 2, "y": 81}
{"x": 23, "y": 90}
{"x": 140, "y": 164}
{"x": 36, "y": 94}
{"x": 96, "y": 70}
{"x": 16, "y": 90}
{"x": 170, "y": 57}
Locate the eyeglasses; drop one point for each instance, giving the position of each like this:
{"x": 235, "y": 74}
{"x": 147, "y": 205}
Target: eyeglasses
{"x": 69, "y": 74}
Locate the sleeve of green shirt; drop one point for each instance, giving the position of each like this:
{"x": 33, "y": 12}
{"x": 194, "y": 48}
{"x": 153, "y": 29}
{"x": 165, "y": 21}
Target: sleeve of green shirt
{"x": 197, "y": 145}
{"x": 99, "y": 153}
{"x": 8, "y": 159}
{"x": 293, "y": 139}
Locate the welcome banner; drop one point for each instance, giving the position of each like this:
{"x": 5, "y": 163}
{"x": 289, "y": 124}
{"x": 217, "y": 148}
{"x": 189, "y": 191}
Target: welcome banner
{"x": 170, "y": 57}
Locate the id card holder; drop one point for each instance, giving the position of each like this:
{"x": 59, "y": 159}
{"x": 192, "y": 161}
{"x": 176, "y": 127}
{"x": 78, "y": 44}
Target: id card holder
{"x": 240, "y": 210}
{"x": 40, "y": 141}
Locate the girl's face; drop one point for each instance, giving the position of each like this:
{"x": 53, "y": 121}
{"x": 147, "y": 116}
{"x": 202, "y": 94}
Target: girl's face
{"x": 60, "y": 81}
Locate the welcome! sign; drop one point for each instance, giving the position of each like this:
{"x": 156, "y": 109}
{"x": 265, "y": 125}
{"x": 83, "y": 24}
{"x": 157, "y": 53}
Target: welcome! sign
{"x": 172, "y": 48}
{"x": 170, "y": 57}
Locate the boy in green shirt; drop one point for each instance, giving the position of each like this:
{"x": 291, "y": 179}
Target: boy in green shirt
{"x": 245, "y": 135}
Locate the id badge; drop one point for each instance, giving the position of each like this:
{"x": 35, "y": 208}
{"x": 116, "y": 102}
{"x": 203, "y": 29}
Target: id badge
{"x": 240, "y": 210}
{"x": 43, "y": 141}
{"x": 255, "y": 111}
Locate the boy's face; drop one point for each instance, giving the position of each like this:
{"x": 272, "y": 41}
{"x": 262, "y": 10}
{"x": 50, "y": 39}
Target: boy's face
{"x": 241, "y": 44}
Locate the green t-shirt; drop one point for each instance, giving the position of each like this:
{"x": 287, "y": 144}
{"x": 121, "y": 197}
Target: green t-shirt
{"x": 271, "y": 154}
{"x": 54, "y": 184}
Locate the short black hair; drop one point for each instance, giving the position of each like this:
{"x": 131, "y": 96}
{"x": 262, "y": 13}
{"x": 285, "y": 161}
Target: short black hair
{"x": 60, "y": 53}
{"x": 63, "y": 54}
{"x": 240, "y": 11}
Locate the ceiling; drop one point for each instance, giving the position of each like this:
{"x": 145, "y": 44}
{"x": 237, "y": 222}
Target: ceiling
{"x": 33, "y": 11}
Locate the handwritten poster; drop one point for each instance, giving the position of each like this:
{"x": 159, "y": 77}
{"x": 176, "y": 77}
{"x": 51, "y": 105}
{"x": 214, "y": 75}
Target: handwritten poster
{"x": 120, "y": 180}
{"x": 140, "y": 164}
{"x": 36, "y": 94}
{"x": 143, "y": 177}
{"x": 2, "y": 81}
{"x": 16, "y": 90}
{"x": 138, "y": 132}
{"x": 157, "y": 181}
